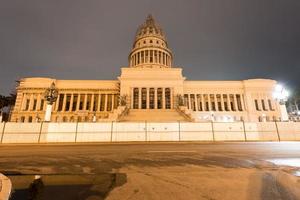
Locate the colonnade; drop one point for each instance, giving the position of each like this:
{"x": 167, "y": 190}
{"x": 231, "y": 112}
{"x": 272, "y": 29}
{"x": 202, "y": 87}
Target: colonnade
{"x": 151, "y": 98}
{"x": 215, "y": 102}
{"x": 68, "y": 102}
{"x": 150, "y": 56}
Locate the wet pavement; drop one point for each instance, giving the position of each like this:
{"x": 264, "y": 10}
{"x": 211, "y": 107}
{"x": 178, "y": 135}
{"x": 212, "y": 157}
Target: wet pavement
{"x": 154, "y": 171}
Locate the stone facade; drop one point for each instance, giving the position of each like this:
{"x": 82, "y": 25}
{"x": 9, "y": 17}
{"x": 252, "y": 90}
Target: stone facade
{"x": 150, "y": 84}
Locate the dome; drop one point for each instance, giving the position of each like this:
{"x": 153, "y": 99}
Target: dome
{"x": 149, "y": 27}
{"x": 150, "y": 48}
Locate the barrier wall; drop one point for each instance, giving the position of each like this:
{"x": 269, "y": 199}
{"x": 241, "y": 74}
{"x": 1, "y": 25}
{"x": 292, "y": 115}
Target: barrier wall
{"x": 146, "y": 131}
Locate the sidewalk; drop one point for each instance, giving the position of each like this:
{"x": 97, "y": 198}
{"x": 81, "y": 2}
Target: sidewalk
{"x": 5, "y": 187}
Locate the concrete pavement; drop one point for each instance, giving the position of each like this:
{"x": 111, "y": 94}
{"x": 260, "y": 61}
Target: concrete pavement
{"x": 158, "y": 170}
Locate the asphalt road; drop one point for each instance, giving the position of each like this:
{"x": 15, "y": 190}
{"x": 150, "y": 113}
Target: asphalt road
{"x": 155, "y": 170}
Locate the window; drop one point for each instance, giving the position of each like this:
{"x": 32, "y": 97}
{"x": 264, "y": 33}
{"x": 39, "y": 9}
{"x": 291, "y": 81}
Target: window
{"x": 199, "y": 102}
{"x": 225, "y": 99}
{"x": 151, "y": 41}
{"x": 81, "y": 101}
{"x": 68, "y": 102}
{"x": 88, "y": 102}
{"x": 212, "y": 101}
{"x": 144, "y": 98}
{"x": 186, "y": 100}
{"x": 75, "y": 99}
{"x": 116, "y": 101}
{"x": 34, "y": 104}
{"x": 256, "y": 105}
{"x": 168, "y": 98}
{"x": 192, "y": 99}
{"x": 42, "y": 104}
{"x": 219, "y": 102}
{"x": 30, "y": 119}
{"x": 102, "y": 103}
{"x": 95, "y": 105}
{"x": 27, "y": 104}
{"x": 136, "y": 98}
{"x": 109, "y": 102}
{"x": 231, "y": 99}
{"x": 60, "y": 102}
{"x": 151, "y": 98}
{"x": 151, "y": 56}
{"x": 239, "y": 102}
{"x": 159, "y": 98}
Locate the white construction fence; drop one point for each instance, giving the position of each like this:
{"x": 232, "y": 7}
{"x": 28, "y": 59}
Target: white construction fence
{"x": 147, "y": 131}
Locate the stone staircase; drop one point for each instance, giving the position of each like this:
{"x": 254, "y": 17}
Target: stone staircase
{"x": 156, "y": 115}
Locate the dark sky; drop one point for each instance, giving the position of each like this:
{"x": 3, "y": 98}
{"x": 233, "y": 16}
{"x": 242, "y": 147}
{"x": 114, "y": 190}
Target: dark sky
{"x": 91, "y": 39}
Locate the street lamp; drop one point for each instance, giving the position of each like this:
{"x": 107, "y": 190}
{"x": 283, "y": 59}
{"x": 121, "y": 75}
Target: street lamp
{"x": 281, "y": 95}
{"x": 50, "y": 95}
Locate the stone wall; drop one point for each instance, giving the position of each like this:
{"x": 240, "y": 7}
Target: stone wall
{"x": 147, "y": 131}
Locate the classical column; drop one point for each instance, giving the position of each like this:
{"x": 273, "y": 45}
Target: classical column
{"x": 140, "y": 97}
{"x": 31, "y": 102}
{"x": 189, "y": 101}
{"x": 38, "y": 103}
{"x": 202, "y": 103}
{"x": 196, "y": 102}
{"x": 216, "y": 102}
{"x": 105, "y": 104}
{"x": 148, "y": 98}
{"x": 57, "y": 103}
{"x": 85, "y": 102}
{"x": 64, "y": 102}
{"x": 209, "y": 103}
{"x": 155, "y": 98}
{"x": 78, "y": 102}
{"x": 71, "y": 102}
{"x": 243, "y": 102}
{"x": 92, "y": 102}
{"x": 235, "y": 103}
{"x": 171, "y": 98}
{"x": 132, "y": 97}
{"x": 113, "y": 101}
{"x": 222, "y": 102}
{"x": 163, "y": 98}
{"x": 228, "y": 102}
{"x": 99, "y": 101}
{"x": 23, "y": 101}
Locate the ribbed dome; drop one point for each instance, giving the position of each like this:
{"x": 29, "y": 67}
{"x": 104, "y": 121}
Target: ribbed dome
{"x": 149, "y": 27}
{"x": 150, "y": 48}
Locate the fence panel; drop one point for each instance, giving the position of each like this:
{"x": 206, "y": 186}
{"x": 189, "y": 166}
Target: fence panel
{"x": 229, "y": 131}
{"x": 94, "y": 132}
{"x": 163, "y": 131}
{"x": 286, "y": 131}
{"x": 21, "y": 132}
{"x": 196, "y": 131}
{"x": 135, "y": 131}
{"x": 58, "y": 132}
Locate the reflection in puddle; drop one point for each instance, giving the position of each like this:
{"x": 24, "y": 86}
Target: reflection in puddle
{"x": 297, "y": 173}
{"x": 293, "y": 162}
{"x": 65, "y": 187}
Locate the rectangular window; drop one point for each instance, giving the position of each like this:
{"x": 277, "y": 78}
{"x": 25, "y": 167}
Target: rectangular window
{"x": 159, "y": 98}
{"x": 239, "y": 102}
{"x": 151, "y": 98}
{"x": 212, "y": 101}
{"x": 109, "y": 102}
{"x": 186, "y": 100}
{"x": 136, "y": 98}
{"x": 81, "y": 102}
{"x": 168, "y": 98}
{"x": 75, "y": 99}
{"x": 116, "y": 101}
{"x": 42, "y": 104}
{"x": 144, "y": 98}
{"x": 102, "y": 103}
{"x": 95, "y": 106}
{"x": 225, "y": 99}
{"x": 192, "y": 98}
{"x": 68, "y": 101}
{"x": 256, "y": 105}
{"x": 219, "y": 102}
{"x": 34, "y": 104}
{"x": 199, "y": 102}
{"x": 60, "y": 102}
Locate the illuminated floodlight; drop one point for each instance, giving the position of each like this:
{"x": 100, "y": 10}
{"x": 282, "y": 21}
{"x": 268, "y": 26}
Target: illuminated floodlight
{"x": 281, "y": 95}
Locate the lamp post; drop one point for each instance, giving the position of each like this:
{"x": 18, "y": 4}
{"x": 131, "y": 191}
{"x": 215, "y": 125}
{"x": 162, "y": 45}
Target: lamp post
{"x": 281, "y": 95}
{"x": 50, "y": 95}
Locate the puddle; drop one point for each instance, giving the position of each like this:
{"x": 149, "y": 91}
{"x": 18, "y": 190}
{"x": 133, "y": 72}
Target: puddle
{"x": 297, "y": 173}
{"x": 292, "y": 162}
{"x": 65, "y": 187}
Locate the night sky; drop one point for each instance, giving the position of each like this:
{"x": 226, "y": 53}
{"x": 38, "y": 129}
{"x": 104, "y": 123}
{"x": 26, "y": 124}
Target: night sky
{"x": 91, "y": 39}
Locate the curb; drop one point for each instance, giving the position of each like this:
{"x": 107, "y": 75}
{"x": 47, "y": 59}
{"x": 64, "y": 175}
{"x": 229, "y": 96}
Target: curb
{"x": 5, "y": 187}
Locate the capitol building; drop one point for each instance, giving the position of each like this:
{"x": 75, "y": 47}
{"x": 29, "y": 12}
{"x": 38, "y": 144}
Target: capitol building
{"x": 150, "y": 88}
